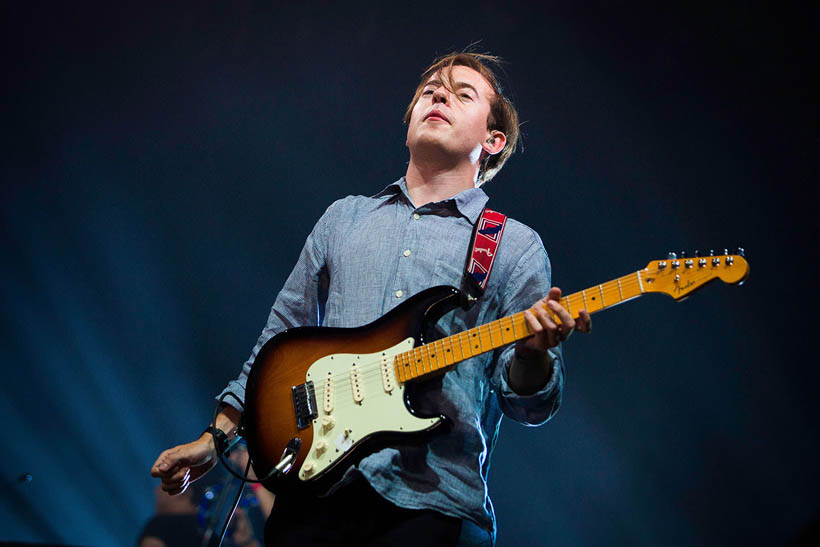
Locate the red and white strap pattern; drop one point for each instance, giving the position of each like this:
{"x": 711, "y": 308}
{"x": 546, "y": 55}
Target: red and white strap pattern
{"x": 487, "y": 237}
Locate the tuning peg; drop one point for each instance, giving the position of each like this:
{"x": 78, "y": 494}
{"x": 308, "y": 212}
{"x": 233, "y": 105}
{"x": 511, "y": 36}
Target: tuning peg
{"x": 740, "y": 251}
{"x": 683, "y": 254}
{"x": 711, "y": 252}
{"x": 672, "y": 256}
{"x": 725, "y": 251}
{"x": 697, "y": 253}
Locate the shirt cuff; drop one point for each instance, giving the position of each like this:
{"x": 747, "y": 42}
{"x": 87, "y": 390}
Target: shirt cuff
{"x": 538, "y": 407}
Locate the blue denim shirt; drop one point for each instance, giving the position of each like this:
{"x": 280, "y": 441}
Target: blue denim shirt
{"x": 368, "y": 254}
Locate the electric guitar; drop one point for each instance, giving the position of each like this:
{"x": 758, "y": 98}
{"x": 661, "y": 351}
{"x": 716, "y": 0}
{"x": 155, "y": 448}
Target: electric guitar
{"x": 320, "y": 399}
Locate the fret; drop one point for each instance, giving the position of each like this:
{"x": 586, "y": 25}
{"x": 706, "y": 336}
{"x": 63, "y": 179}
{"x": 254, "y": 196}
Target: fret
{"x": 417, "y": 363}
{"x": 405, "y": 365}
{"x": 507, "y": 330}
{"x": 523, "y": 326}
{"x": 620, "y": 289}
{"x": 579, "y": 303}
{"x": 498, "y": 338}
{"x": 411, "y": 362}
{"x": 640, "y": 282}
{"x": 475, "y": 343}
{"x": 409, "y": 369}
{"x": 591, "y": 304}
{"x": 612, "y": 292}
{"x": 527, "y": 327}
{"x": 449, "y": 355}
{"x": 499, "y": 325}
{"x": 398, "y": 368}
{"x": 435, "y": 356}
{"x": 603, "y": 301}
{"x": 466, "y": 350}
{"x": 484, "y": 338}
{"x": 438, "y": 357}
{"x": 425, "y": 359}
{"x": 629, "y": 289}
{"x": 458, "y": 350}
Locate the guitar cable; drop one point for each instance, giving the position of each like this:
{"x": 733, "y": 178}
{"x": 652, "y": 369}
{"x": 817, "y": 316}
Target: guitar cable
{"x": 221, "y": 440}
{"x": 223, "y": 447}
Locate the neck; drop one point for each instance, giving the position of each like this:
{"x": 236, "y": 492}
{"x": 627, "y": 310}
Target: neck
{"x": 429, "y": 182}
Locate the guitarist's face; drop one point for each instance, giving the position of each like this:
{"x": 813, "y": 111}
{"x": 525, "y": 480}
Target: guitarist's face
{"x": 449, "y": 121}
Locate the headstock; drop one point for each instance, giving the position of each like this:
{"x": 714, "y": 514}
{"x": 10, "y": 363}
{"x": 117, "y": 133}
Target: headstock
{"x": 680, "y": 276}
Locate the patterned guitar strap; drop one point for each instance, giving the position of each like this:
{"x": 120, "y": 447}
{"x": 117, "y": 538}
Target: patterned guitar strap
{"x": 486, "y": 237}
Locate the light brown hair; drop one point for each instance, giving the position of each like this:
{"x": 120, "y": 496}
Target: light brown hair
{"x": 503, "y": 115}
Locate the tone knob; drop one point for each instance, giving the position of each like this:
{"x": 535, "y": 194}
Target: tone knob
{"x": 309, "y": 467}
{"x": 321, "y": 446}
{"x": 328, "y": 422}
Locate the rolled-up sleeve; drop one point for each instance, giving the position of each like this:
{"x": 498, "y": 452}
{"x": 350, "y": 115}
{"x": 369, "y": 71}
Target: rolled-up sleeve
{"x": 299, "y": 303}
{"x": 530, "y": 281}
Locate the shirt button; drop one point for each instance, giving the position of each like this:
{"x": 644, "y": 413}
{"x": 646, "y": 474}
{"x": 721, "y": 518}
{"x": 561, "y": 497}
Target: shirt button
{"x": 416, "y": 216}
{"x": 407, "y": 252}
{"x": 399, "y": 293}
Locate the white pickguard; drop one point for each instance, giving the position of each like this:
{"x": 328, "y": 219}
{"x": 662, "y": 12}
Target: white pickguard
{"x": 362, "y": 404}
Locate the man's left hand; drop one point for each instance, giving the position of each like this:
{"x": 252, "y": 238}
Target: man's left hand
{"x": 548, "y": 333}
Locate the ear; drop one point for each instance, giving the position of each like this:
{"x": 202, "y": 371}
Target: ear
{"x": 495, "y": 142}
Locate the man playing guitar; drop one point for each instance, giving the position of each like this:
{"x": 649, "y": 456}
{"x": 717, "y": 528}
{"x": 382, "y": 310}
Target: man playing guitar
{"x": 367, "y": 255}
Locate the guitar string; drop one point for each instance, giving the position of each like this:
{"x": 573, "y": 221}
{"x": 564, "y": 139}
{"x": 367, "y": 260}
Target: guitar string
{"x": 373, "y": 367}
{"x": 573, "y": 297}
{"x": 344, "y": 383}
{"x": 370, "y": 372}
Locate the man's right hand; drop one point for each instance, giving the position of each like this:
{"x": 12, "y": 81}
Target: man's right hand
{"x": 180, "y": 466}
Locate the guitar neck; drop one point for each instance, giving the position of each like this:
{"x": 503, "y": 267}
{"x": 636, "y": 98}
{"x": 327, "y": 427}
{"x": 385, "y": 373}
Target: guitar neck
{"x": 436, "y": 356}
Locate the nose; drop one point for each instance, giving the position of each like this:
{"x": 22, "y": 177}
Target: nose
{"x": 440, "y": 95}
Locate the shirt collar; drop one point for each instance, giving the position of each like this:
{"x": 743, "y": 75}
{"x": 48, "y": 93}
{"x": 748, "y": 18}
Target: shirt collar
{"x": 469, "y": 203}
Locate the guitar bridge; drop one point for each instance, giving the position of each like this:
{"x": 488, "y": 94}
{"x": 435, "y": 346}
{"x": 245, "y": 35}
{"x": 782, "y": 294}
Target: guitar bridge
{"x": 304, "y": 404}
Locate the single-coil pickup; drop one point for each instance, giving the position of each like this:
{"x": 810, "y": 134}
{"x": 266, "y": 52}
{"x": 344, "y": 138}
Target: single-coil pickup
{"x": 356, "y": 383}
{"x": 387, "y": 373}
{"x": 328, "y": 394}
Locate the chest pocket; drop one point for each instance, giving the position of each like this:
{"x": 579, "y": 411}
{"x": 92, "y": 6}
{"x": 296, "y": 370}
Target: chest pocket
{"x": 447, "y": 273}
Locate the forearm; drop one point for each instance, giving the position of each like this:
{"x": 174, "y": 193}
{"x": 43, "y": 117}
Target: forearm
{"x": 529, "y": 371}
{"x": 227, "y": 420}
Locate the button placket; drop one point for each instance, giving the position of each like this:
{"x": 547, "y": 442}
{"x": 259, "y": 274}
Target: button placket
{"x": 403, "y": 265}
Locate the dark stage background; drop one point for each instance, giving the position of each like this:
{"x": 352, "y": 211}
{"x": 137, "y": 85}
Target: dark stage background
{"x": 163, "y": 165}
